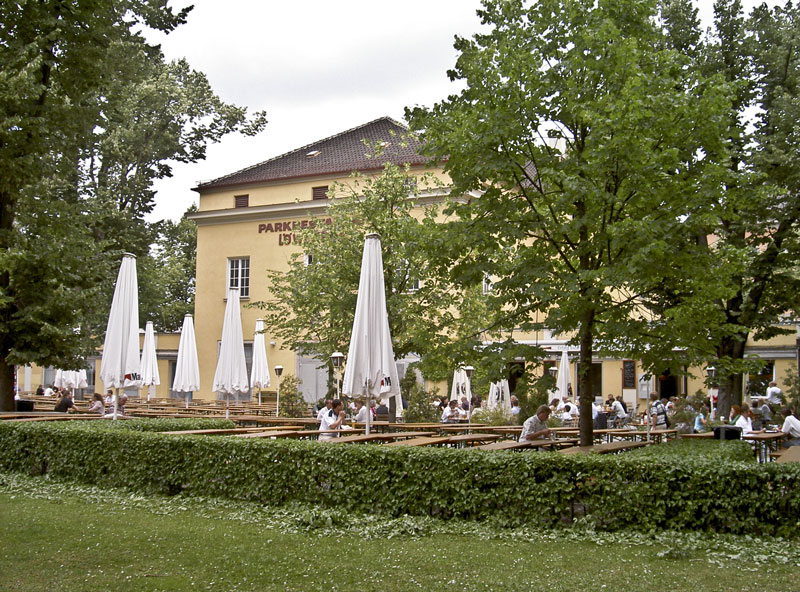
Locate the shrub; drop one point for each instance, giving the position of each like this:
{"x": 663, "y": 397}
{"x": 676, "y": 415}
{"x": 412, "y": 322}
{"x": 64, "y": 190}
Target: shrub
{"x": 292, "y": 403}
{"x": 420, "y": 402}
{"x": 536, "y": 488}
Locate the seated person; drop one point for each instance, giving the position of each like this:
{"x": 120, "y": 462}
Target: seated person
{"x": 515, "y": 408}
{"x": 535, "y": 427}
{"x": 382, "y": 412}
{"x": 332, "y": 420}
{"x": 791, "y": 427}
{"x": 97, "y": 404}
{"x": 701, "y": 419}
{"x": 361, "y": 412}
{"x": 618, "y": 412}
{"x": 451, "y": 414}
{"x": 325, "y": 409}
{"x": 65, "y": 403}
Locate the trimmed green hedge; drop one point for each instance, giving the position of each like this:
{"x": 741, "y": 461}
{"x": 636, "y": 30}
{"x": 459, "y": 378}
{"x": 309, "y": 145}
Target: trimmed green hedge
{"x": 169, "y": 424}
{"x": 543, "y": 489}
{"x": 717, "y": 450}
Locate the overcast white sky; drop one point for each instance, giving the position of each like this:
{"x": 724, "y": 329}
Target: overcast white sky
{"x": 317, "y": 67}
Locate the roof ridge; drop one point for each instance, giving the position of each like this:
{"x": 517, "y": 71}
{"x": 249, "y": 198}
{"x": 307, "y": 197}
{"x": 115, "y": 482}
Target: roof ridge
{"x": 301, "y": 148}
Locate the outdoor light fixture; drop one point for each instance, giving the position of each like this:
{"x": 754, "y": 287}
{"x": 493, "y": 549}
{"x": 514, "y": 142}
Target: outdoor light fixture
{"x": 469, "y": 370}
{"x": 337, "y": 358}
{"x": 552, "y": 370}
{"x": 278, "y": 372}
{"x": 711, "y": 372}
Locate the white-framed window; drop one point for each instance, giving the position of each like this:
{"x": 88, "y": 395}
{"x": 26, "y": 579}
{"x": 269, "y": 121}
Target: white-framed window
{"x": 239, "y": 275}
{"x": 488, "y": 284}
{"x": 308, "y": 259}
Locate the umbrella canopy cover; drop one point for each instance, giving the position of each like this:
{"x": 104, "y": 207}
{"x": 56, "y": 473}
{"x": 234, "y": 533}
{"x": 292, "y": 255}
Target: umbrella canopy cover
{"x": 187, "y": 368}
{"x": 500, "y": 397}
{"x": 149, "y": 361}
{"x": 563, "y": 377}
{"x": 460, "y": 386}
{"x": 259, "y": 373}
{"x": 371, "y": 369}
{"x": 119, "y": 367}
{"x": 231, "y": 374}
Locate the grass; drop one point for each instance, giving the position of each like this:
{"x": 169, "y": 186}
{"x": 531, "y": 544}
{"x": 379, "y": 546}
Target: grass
{"x": 61, "y": 536}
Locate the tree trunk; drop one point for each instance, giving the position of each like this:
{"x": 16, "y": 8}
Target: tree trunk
{"x": 6, "y": 385}
{"x": 585, "y": 379}
{"x": 730, "y": 387}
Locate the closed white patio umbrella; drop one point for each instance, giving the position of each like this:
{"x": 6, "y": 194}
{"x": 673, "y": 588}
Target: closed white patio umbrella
{"x": 231, "y": 374}
{"x": 120, "y": 364}
{"x": 563, "y": 377}
{"x": 500, "y": 397}
{"x": 461, "y": 388}
{"x": 187, "y": 368}
{"x": 259, "y": 373}
{"x": 371, "y": 370}
{"x": 149, "y": 362}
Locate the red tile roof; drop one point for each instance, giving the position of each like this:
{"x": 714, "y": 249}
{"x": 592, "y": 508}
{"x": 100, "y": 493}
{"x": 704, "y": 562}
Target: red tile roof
{"x": 342, "y": 153}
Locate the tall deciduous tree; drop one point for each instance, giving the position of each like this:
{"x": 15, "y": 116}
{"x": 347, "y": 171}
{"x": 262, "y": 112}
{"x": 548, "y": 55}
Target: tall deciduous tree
{"x": 587, "y": 136}
{"x": 90, "y": 114}
{"x": 757, "y": 216}
{"x": 312, "y": 305}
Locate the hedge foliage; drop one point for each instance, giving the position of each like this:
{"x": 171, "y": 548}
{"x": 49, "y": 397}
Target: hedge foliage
{"x": 168, "y": 424}
{"x": 535, "y": 489}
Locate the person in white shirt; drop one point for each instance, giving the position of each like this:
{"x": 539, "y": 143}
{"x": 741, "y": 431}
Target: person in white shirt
{"x": 791, "y": 427}
{"x": 361, "y": 412}
{"x": 325, "y": 409}
{"x": 618, "y": 411}
{"x": 774, "y": 394}
{"x": 569, "y": 412}
{"x": 48, "y": 392}
{"x": 450, "y": 414}
{"x": 332, "y": 420}
{"x": 515, "y": 408}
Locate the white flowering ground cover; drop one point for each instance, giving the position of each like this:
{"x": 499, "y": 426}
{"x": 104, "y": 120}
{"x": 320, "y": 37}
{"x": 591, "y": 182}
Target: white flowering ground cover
{"x": 63, "y": 536}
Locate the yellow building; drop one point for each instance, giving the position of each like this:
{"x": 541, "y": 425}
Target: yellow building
{"x": 245, "y": 227}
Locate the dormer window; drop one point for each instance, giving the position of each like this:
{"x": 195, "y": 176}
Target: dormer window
{"x": 313, "y": 154}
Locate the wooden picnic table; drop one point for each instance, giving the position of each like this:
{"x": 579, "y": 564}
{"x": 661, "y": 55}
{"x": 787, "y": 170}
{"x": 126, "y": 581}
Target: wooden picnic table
{"x": 360, "y": 438}
{"x": 220, "y": 432}
{"x": 528, "y": 444}
{"x": 424, "y": 441}
{"x": 700, "y": 436}
{"x": 269, "y": 434}
{"x": 607, "y": 448}
{"x": 464, "y": 439}
{"x": 764, "y": 442}
{"x": 791, "y": 454}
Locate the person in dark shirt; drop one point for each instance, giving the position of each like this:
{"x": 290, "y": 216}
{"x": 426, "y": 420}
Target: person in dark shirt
{"x": 65, "y": 403}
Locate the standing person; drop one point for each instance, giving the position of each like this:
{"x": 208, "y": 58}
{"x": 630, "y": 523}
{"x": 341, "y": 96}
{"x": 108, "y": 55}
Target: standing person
{"x": 658, "y": 413}
{"x": 774, "y": 394}
{"x": 766, "y": 413}
{"x": 535, "y": 427}
{"x": 332, "y": 420}
{"x": 515, "y": 408}
{"x": 791, "y": 427}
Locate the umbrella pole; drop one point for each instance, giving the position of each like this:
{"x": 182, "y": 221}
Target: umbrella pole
{"x": 369, "y": 411}
{"x": 259, "y": 398}
{"x": 227, "y": 409}
{"x": 116, "y": 403}
{"x": 186, "y": 398}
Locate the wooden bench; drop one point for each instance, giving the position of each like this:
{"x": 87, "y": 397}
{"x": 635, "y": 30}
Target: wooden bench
{"x": 425, "y": 441}
{"x": 607, "y": 448}
{"x": 791, "y": 454}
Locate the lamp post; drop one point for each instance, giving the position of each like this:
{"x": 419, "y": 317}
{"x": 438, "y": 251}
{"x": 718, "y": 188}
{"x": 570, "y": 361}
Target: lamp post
{"x": 711, "y": 371}
{"x": 468, "y": 370}
{"x": 278, "y": 372}
{"x": 337, "y": 358}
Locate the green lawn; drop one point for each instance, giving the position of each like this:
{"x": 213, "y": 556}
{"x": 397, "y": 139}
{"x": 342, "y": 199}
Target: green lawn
{"x": 58, "y": 536}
